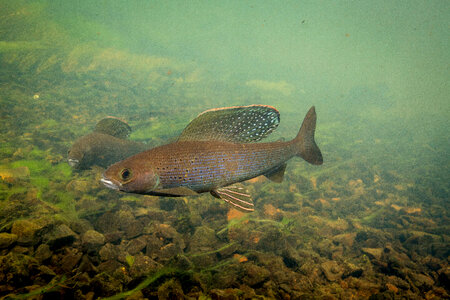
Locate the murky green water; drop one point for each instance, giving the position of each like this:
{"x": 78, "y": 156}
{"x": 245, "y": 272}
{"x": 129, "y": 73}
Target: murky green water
{"x": 372, "y": 221}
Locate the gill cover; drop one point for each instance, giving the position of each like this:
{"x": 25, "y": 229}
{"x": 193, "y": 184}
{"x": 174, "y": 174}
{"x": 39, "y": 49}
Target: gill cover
{"x": 137, "y": 181}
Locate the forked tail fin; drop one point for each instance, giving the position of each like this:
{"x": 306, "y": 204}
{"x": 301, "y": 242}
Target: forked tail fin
{"x": 308, "y": 150}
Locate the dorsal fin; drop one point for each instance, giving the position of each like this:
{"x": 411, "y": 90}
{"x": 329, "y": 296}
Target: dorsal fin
{"x": 237, "y": 124}
{"x": 113, "y": 126}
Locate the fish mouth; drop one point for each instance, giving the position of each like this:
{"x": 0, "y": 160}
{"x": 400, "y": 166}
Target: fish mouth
{"x": 73, "y": 162}
{"x": 109, "y": 183}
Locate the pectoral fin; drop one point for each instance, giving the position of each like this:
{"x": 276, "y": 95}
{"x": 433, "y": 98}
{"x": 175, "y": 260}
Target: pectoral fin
{"x": 276, "y": 175}
{"x": 237, "y": 196}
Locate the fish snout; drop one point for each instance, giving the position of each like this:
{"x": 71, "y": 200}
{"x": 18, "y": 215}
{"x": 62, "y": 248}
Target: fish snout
{"x": 109, "y": 184}
{"x": 73, "y": 162}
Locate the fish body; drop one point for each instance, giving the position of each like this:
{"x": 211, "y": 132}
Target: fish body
{"x": 104, "y": 146}
{"x": 200, "y": 162}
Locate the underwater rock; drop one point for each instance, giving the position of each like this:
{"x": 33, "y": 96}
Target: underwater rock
{"x": 254, "y": 275}
{"x": 163, "y": 241}
{"x": 105, "y": 285}
{"x": 91, "y": 240}
{"x": 345, "y": 239}
{"x": 137, "y": 245}
{"x": 16, "y": 269}
{"x": 421, "y": 281}
{"x": 108, "y": 222}
{"x": 86, "y": 265}
{"x": 71, "y": 258}
{"x": 143, "y": 265}
{"x": 27, "y": 232}
{"x": 181, "y": 262}
{"x": 110, "y": 266}
{"x": 374, "y": 253}
{"x": 332, "y": 270}
{"x": 272, "y": 212}
{"x": 171, "y": 289}
{"x": 43, "y": 253}
{"x": 80, "y": 226}
{"x": 7, "y": 239}
{"x": 59, "y": 236}
{"x": 203, "y": 239}
{"x": 444, "y": 277}
{"x": 46, "y": 273}
{"x": 114, "y": 237}
{"x": 108, "y": 252}
{"x": 227, "y": 294}
{"x": 131, "y": 227}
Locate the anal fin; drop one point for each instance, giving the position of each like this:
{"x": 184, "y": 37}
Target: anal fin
{"x": 276, "y": 174}
{"x": 235, "y": 195}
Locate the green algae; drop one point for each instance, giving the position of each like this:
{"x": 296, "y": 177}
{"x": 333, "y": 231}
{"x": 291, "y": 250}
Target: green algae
{"x": 55, "y": 285}
{"x": 146, "y": 282}
{"x": 130, "y": 260}
{"x": 35, "y": 166}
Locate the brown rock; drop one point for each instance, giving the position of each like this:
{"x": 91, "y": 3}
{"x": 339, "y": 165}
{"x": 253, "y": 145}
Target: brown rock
{"x": 7, "y": 239}
{"x": 92, "y": 240}
{"x": 70, "y": 260}
{"x": 60, "y": 236}
{"x": 332, "y": 270}
{"x": 346, "y": 239}
{"x": 375, "y": 253}
{"x": 43, "y": 253}
{"x": 108, "y": 252}
{"x": 392, "y": 288}
{"x": 171, "y": 289}
{"x": 254, "y": 274}
{"x": 114, "y": 237}
{"x": 137, "y": 245}
{"x": 27, "y": 232}
{"x": 204, "y": 239}
{"x": 423, "y": 282}
{"x": 143, "y": 265}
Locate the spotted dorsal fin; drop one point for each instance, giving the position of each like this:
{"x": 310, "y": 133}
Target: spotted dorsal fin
{"x": 113, "y": 126}
{"x": 237, "y": 124}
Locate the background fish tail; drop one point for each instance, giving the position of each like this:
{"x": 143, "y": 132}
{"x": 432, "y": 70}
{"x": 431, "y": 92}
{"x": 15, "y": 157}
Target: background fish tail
{"x": 308, "y": 150}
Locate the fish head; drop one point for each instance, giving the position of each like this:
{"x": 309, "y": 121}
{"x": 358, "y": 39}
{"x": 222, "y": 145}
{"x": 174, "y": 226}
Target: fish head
{"x": 76, "y": 154}
{"x": 131, "y": 176}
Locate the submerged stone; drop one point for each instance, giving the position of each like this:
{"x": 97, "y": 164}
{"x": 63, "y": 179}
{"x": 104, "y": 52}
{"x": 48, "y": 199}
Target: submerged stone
{"x": 7, "y": 239}
{"x": 375, "y": 253}
{"x": 60, "y": 236}
{"x": 27, "y": 232}
{"x": 92, "y": 240}
{"x": 332, "y": 270}
{"x": 43, "y": 253}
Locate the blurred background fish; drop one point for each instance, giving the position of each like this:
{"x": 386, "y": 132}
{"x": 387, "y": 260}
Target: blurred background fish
{"x": 106, "y": 145}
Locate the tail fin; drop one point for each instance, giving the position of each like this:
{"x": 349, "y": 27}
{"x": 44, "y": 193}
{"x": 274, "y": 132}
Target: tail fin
{"x": 308, "y": 149}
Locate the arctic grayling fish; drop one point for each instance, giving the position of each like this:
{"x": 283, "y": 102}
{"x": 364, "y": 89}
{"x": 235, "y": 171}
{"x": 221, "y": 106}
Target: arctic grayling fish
{"x": 106, "y": 145}
{"x": 214, "y": 152}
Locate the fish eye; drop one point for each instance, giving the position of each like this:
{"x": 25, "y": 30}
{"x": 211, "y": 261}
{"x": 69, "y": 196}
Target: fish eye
{"x": 125, "y": 174}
